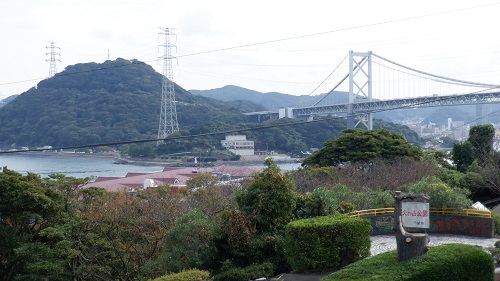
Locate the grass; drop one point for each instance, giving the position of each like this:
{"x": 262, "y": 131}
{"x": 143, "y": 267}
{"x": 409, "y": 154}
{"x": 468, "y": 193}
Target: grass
{"x": 457, "y": 262}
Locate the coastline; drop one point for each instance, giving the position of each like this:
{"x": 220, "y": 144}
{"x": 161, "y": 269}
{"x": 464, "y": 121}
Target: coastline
{"x": 254, "y": 160}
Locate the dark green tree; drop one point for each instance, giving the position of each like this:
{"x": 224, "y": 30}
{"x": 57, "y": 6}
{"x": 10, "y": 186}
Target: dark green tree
{"x": 481, "y": 138}
{"x": 269, "y": 200}
{"x": 356, "y": 145}
{"x": 190, "y": 244}
{"x": 33, "y": 245}
{"x": 462, "y": 155}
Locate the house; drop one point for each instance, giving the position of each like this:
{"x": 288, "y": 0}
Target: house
{"x": 175, "y": 177}
{"x": 239, "y": 145}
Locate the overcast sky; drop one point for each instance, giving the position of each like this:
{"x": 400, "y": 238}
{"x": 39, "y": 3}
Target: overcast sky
{"x": 457, "y": 39}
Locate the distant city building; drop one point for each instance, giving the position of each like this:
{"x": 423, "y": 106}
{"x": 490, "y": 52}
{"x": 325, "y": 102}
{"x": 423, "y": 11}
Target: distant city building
{"x": 239, "y": 145}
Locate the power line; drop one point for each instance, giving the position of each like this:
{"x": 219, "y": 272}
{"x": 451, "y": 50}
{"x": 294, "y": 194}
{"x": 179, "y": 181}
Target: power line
{"x": 287, "y": 38}
{"x": 172, "y": 138}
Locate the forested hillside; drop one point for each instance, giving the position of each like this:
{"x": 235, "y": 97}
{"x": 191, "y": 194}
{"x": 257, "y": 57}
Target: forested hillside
{"x": 119, "y": 100}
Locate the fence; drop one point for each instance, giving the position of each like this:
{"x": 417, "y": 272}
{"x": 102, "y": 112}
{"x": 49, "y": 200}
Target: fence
{"x": 469, "y": 222}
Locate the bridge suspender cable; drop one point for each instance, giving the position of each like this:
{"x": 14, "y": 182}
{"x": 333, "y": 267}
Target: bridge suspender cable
{"x": 341, "y": 81}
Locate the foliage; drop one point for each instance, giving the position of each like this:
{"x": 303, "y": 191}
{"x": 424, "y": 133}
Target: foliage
{"x": 364, "y": 199}
{"x": 186, "y": 275}
{"x": 477, "y": 156}
{"x": 247, "y": 273}
{"x": 123, "y": 232}
{"x": 320, "y": 202}
{"x": 481, "y": 138}
{"x": 31, "y": 239}
{"x": 94, "y": 103}
{"x": 386, "y": 174}
{"x": 144, "y": 151}
{"x": 326, "y": 242}
{"x": 496, "y": 221}
{"x": 462, "y": 155}
{"x": 456, "y": 262}
{"x": 269, "y": 200}
{"x": 209, "y": 197}
{"x": 307, "y": 180}
{"x": 356, "y": 145}
{"x": 189, "y": 244}
{"x": 440, "y": 195}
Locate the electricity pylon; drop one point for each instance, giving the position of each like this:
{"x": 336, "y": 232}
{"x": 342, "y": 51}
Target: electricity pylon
{"x": 52, "y": 57}
{"x": 168, "y": 113}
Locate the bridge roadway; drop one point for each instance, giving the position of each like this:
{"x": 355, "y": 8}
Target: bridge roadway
{"x": 382, "y": 105}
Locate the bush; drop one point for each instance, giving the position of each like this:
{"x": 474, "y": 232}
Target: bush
{"x": 190, "y": 244}
{"x": 496, "y": 220}
{"x": 495, "y": 253}
{"x": 320, "y": 202}
{"x": 248, "y": 273}
{"x": 188, "y": 275}
{"x": 326, "y": 242}
{"x": 363, "y": 200}
{"x": 440, "y": 194}
{"x": 455, "y": 262}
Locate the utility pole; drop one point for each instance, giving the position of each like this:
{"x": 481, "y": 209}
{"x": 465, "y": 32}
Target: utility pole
{"x": 52, "y": 57}
{"x": 168, "y": 113}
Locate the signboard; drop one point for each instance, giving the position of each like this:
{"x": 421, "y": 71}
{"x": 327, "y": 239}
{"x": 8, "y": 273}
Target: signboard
{"x": 415, "y": 214}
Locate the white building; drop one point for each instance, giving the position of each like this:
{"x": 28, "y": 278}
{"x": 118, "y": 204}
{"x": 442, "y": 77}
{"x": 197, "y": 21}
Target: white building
{"x": 238, "y": 144}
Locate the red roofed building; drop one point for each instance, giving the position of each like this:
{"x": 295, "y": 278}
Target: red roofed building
{"x": 172, "y": 176}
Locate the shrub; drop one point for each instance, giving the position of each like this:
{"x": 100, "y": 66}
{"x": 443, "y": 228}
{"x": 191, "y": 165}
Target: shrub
{"x": 326, "y": 242}
{"x": 495, "y": 253}
{"x": 455, "y": 262}
{"x": 248, "y": 273}
{"x": 190, "y": 244}
{"x": 269, "y": 200}
{"x": 366, "y": 199}
{"x": 496, "y": 220}
{"x": 188, "y": 275}
{"x": 320, "y": 202}
{"x": 441, "y": 195}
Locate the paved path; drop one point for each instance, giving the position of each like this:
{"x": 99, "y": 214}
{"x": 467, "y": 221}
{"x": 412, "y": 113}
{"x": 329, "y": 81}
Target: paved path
{"x": 384, "y": 243}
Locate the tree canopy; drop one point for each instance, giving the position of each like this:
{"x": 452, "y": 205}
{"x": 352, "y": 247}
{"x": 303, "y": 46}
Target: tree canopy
{"x": 356, "y": 145}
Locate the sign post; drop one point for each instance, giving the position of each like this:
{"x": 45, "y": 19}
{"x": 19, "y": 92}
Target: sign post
{"x": 410, "y": 214}
{"x": 415, "y": 214}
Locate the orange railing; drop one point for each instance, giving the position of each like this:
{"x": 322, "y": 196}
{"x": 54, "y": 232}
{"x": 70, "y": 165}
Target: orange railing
{"x": 448, "y": 211}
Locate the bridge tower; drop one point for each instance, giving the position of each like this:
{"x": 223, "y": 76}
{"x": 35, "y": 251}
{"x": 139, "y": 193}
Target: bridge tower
{"x": 168, "y": 113}
{"x": 52, "y": 57}
{"x": 360, "y": 86}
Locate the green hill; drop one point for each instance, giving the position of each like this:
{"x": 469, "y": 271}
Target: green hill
{"x": 92, "y": 103}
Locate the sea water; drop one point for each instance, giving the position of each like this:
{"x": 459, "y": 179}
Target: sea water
{"x": 76, "y": 166}
{"x": 45, "y": 164}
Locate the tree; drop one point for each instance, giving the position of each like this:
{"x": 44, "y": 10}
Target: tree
{"x": 208, "y": 197}
{"x": 269, "y": 200}
{"x": 33, "y": 245}
{"x": 481, "y": 138}
{"x": 481, "y": 163}
{"x": 188, "y": 245}
{"x": 462, "y": 155}
{"x": 356, "y": 145}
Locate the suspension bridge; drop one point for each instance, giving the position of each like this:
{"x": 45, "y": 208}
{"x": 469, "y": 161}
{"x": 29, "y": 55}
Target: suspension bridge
{"x": 374, "y": 84}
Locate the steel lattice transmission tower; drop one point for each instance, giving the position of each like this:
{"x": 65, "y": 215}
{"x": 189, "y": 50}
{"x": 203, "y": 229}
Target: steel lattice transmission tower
{"x": 168, "y": 114}
{"x": 52, "y": 57}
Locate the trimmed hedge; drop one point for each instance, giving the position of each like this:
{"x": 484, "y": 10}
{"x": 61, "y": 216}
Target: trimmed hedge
{"x": 188, "y": 275}
{"x": 248, "y": 273}
{"x": 327, "y": 242}
{"x": 457, "y": 262}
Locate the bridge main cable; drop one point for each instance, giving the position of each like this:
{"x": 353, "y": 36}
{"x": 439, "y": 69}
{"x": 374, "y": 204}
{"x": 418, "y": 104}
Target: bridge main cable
{"x": 460, "y": 82}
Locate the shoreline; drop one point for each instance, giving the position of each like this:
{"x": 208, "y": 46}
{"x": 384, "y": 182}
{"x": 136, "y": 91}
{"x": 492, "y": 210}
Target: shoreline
{"x": 119, "y": 160}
